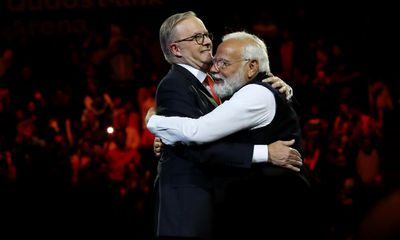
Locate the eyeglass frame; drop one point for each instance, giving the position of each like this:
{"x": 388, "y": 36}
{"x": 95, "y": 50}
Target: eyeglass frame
{"x": 221, "y": 63}
{"x": 197, "y": 37}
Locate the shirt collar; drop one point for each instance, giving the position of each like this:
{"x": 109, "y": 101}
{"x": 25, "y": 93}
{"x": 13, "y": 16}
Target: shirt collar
{"x": 200, "y": 75}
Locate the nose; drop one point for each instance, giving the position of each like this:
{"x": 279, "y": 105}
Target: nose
{"x": 213, "y": 68}
{"x": 207, "y": 41}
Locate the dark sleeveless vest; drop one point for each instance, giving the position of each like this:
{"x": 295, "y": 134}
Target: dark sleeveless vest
{"x": 284, "y": 126}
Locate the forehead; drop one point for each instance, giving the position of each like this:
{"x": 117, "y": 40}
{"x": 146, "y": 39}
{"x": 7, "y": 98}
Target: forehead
{"x": 229, "y": 49}
{"x": 190, "y": 26}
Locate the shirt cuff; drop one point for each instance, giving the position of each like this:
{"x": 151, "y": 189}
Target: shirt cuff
{"x": 260, "y": 153}
{"x": 152, "y": 124}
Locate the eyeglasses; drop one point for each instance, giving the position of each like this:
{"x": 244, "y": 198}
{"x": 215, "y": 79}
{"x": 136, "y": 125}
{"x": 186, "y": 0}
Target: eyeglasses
{"x": 221, "y": 63}
{"x": 198, "y": 37}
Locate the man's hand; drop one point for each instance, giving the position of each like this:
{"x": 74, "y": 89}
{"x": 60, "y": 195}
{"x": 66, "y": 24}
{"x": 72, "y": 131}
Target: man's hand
{"x": 279, "y": 84}
{"x": 150, "y": 112}
{"x": 157, "y": 144}
{"x": 281, "y": 154}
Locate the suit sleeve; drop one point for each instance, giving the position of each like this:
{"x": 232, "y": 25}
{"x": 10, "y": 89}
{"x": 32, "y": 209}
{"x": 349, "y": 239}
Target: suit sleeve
{"x": 221, "y": 154}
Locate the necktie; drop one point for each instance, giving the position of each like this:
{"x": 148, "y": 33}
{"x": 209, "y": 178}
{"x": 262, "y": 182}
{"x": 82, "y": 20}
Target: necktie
{"x": 210, "y": 83}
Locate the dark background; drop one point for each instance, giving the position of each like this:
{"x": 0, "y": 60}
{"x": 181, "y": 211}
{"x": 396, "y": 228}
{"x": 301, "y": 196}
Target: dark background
{"x": 46, "y": 35}
{"x": 367, "y": 29}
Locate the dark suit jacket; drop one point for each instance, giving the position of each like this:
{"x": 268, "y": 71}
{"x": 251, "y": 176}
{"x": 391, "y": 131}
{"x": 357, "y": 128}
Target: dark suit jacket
{"x": 184, "y": 185}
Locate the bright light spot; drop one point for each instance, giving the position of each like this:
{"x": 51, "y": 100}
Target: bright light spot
{"x": 110, "y": 130}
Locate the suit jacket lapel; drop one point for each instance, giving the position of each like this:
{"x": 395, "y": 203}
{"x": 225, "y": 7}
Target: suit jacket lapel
{"x": 197, "y": 87}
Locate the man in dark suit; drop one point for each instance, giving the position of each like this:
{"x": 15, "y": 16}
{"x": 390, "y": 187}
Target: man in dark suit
{"x": 185, "y": 182}
{"x": 275, "y": 197}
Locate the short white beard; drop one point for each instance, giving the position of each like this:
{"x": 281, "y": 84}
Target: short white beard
{"x": 231, "y": 85}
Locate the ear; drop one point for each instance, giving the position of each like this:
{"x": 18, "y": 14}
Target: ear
{"x": 253, "y": 69}
{"x": 175, "y": 50}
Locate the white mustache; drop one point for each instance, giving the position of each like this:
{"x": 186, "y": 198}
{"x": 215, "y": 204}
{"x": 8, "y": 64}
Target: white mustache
{"x": 216, "y": 76}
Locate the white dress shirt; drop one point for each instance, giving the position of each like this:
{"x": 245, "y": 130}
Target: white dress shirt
{"x": 252, "y": 107}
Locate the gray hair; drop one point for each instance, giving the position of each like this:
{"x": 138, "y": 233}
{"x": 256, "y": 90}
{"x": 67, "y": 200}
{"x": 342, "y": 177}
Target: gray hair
{"x": 167, "y": 32}
{"x": 256, "y": 49}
